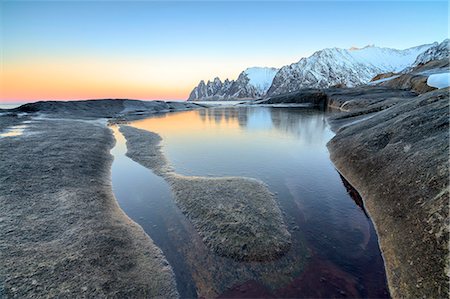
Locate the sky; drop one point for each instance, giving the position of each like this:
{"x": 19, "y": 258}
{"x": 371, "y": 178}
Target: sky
{"x": 65, "y": 50}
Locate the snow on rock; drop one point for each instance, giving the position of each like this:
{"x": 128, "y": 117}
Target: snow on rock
{"x": 336, "y": 66}
{"x": 251, "y": 83}
{"x": 261, "y": 77}
{"x": 436, "y": 52}
{"x": 324, "y": 68}
{"x": 441, "y": 80}
{"x": 383, "y": 80}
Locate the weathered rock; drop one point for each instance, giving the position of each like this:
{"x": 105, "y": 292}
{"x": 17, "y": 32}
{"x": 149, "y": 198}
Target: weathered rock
{"x": 102, "y": 108}
{"x": 345, "y": 99}
{"x": 410, "y": 81}
{"x": 414, "y": 78}
{"x": 383, "y": 76}
{"x": 313, "y": 97}
{"x": 63, "y": 233}
{"x": 351, "y": 99}
{"x": 398, "y": 161}
{"x": 237, "y": 217}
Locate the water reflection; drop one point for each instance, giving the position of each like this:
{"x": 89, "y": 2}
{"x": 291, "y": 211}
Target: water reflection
{"x": 13, "y": 131}
{"x": 283, "y": 120}
{"x": 354, "y": 195}
{"x": 334, "y": 252}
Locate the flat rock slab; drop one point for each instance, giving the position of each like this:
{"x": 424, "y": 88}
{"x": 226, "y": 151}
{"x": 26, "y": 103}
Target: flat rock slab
{"x": 102, "y": 108}
{"x": 62, "y": 231}
{"x": 237, "y": 217}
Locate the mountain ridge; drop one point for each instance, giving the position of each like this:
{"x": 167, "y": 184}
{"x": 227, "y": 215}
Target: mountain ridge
{"x": 251, "y": 83}
{"x": 324, "y": 68}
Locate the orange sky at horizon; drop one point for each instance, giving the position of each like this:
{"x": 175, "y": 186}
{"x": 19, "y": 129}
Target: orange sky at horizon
{"x": 87, "y": 77}
{"x": 73, "y": 50}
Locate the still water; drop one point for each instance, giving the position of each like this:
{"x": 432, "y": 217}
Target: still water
{"x": 334, "y": 249}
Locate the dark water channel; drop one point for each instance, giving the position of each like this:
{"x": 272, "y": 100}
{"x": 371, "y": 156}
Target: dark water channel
{"x": 334, "y": 252}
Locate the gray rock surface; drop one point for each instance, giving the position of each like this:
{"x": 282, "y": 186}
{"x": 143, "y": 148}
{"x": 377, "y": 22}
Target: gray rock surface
{"x": 353, "y": 99}
{"x": 309, "y": 97}
{"x": 11, "y": 119}
{"x": 237, "y": 217}
{"x": 359, "y": 100}
{"x": 102, "y": 108}
{"x": 63, "y": 233}
{"x": 398, "y": 160}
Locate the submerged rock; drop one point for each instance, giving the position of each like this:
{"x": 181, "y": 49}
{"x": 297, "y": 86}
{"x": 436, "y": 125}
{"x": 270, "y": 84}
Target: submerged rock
{"x": 237, "y": 217}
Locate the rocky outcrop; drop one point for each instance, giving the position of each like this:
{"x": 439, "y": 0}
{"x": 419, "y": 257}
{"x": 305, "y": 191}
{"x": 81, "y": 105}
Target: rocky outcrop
{"x": 398, "y": 161}
{"x": 416, "y": 78}
{"x": 107, "y": 108}
{"x": 313, "y": 98}
{"x": 383, "y": 76}
{"x": 375, "y": 98}
{"x": 411, "y": 81}
{"x": 63, "y": 233}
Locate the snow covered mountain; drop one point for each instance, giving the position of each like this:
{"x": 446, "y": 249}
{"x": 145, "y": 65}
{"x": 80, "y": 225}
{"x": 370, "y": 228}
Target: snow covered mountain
{"x": 251, "y": 83}
{"x": 435, "y": 52}
{"x": 260, "y": 77}
{"x": 330, "y": 67}
{"x": 324, "y": 68}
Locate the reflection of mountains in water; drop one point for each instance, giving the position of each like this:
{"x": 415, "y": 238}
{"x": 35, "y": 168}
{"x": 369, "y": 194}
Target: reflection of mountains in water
{"x": 226, "y": 114}
{"x": 302, "y": 123}
{"x": 299, "y": 122}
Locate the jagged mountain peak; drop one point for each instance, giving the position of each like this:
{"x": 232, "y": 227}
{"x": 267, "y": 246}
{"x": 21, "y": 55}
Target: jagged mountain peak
{"x": 335, "y": 66}
{"x": 261, "y": 77}
{"x": 437, "y": 51}
{"x": 251, "y": 83}
{"x": 324, "y": 68}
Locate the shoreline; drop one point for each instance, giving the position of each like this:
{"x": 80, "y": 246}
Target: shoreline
{"x": 66, "y": 193}
{"x": 410, "y": 253}
{"x": 364, "y": 150}
{"x": 212, "y": 204}
{"x": 65, "y": 234}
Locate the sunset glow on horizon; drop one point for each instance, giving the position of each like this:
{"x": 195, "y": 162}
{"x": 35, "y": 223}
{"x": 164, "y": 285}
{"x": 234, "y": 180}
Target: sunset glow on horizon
{"x": 64, "y": 50}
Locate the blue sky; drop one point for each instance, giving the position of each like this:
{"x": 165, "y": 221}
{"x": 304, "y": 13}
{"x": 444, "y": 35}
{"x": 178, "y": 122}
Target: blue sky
{"x": 199, "y": 40}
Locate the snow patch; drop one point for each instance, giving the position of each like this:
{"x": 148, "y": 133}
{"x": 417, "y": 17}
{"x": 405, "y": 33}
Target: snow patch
{"x": 383, "y": 80}
{"x": 439, "y": 80}
{"x": 261, "y": 77}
